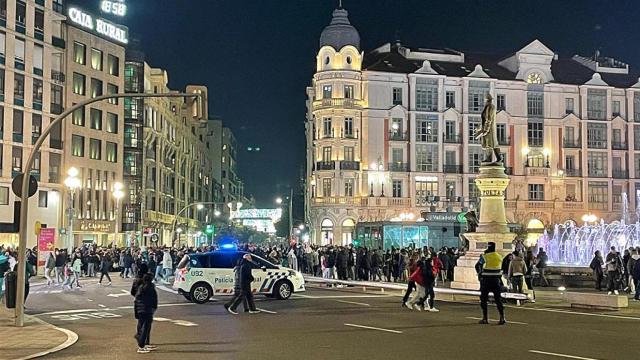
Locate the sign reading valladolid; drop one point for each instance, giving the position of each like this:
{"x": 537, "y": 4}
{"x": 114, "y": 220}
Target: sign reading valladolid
{"x": 101, "y": 26}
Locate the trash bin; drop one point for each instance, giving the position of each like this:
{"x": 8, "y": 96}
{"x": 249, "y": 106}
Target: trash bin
{"x": 10, "y": 289}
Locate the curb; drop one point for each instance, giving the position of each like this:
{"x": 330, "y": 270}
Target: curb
{"x": 72, "y": 338}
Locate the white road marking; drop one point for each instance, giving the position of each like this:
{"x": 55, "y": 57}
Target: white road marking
{"x": 374, "y": 328}
{"x": 491, "y": 320}
{"x": 184, "y": 323}
{"x": 123, "y": 293}
{"x": 161, "y": 319}
{"x": 561, "y": 355}
{"x": 89, "y": 300}
{"x": 267, "y": 311}
{"x": 353, "y": 302}
{"x": 341, "y": 296}
{"x": 164, "y": 288}
{"x": 102, "y": 306}
{"x": 126, "y": 307}
{"x": 86, "y": 316}
{"x": 67, "y": 312}
{"x": 178, "y": 304}
{"x": 581, "y": 313}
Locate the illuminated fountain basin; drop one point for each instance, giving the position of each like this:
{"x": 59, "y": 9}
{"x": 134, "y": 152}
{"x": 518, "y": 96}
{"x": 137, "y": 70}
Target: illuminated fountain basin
{"x": 571, "y": 245}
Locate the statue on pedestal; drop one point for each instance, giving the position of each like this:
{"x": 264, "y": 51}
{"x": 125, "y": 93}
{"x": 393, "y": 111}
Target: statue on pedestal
{"x": 488, "y": 132}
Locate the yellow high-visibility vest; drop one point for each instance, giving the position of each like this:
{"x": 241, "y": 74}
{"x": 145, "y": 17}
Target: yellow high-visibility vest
{"x": 492, "y": 264}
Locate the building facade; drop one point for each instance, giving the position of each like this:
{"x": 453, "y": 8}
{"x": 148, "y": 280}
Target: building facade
{"x": 93, "y": 136}
{"x": 390, "y": 133}
{"x": 31, "y": 95}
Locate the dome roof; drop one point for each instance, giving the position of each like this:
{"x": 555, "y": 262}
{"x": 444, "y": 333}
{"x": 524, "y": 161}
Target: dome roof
{"x": 340, "y": 32}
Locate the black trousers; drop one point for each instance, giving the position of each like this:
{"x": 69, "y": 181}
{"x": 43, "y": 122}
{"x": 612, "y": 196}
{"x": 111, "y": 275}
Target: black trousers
{"x": 613, "y": 283}
{"x": 410, "y": 287}
{"x": 144, "y": 329}
{"x": 431, "y": 295}
{"x": 103, "y": 274}
{"x": 490, "y": 284}
{"x": 243, "y": 295}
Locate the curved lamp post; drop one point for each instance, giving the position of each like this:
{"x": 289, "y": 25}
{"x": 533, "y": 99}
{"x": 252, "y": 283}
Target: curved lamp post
{"x": 199, "y": 205}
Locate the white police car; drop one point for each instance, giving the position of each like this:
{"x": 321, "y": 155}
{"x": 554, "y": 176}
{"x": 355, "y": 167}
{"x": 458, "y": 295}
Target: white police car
{"x": 211, "y": 273}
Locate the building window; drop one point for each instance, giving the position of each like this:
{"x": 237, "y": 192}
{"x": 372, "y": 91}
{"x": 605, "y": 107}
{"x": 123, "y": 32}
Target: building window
{"x": 95, "y": 149}
{"x": 19, "y": 53}
{"x": 327, "y": 92}
{"x": 475, "y": 159}
{"x": 535, "y": 133}
{"x": 348, "y": 153}
{"x": 18, "y": 90}
{"x": 327, "y": 131}
{"x": 112, "y": 89}
{"x": 427, "y": 95}
{"x": 450, "y": 99}
{"x": 21, "y": 13}
{"x": 450, "y": 131}
{"x": 78, "y": 84}
{"x": 112, "y": 123}
{"x": 348, "y": 92}
{"x": 37, "y": 91}
{"x": 568, "y": 105}
{"x": 501, "y": 102}
{"x": 636, "y": 106}
{"x": 38, "y": 53}
{"x": 474, "y": 123}
{"x": 36, "y": 125}
{"x": 77, "y": 145}
{"x": 43, "y": 197}
{"x": 535, "y": 104}
{"x": 477, "y": 93}
{"x": 474, "y": 192}
{"x": 427, "y": 129}
{"x": 16, "y": 159}
{"x": 18, "y": 122}
{"x": 326, "y": 154}
{"x": 348, "y": 187}
{"x": 38, "y": 22}
{"x": 596, "y": 104}
{"x": 536, "y": 192}
{"x": 598, "y": 192}
{"x": 96, "y": 119}
{"x": 597, "y": 164}
{"x": 426, "y": 157}
{"x": 77, "y": 117}
{"x": 326, "y": 187}
{"x": 451, "y": 190}
{"x": 616, "y": 108}
{"x": 1, "y": 81}
{"x": 4, "y": 195}
{"x": 113, "y": 62}
{"x": 96, "y": 87}
{"x": 570, "y": 162}
{"x": 96, "y": 59}
{"x": 348, "y": 127}
{"x": 79, "y": 53}
{"x": 501, "y": 131}
{"x": 397, "y": 188}
{"x": 397, "y": 96}
{"x": 597, "y": 135}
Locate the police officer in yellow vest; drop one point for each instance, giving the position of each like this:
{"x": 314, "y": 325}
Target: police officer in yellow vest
{"x": 490, "y": 273}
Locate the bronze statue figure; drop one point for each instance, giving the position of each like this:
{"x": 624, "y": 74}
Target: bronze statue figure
{"x": 488, "y": 132}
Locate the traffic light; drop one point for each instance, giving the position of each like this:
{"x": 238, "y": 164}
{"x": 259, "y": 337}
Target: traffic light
{"x": 210, "y": 229}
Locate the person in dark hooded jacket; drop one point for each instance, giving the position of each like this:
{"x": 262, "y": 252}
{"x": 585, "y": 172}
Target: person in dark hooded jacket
{"x": 429, "y": 279}
{"x": 144, "y": 306}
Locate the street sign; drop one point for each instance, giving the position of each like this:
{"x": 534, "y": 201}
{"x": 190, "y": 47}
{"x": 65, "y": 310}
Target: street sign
{"x": 16, "y": 185}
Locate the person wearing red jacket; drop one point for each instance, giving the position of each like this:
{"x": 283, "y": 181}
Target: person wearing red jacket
{"x": 437, "y": 266}
{"x": 417, "y": 278}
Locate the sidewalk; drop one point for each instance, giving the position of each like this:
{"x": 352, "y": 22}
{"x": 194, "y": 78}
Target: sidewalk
{"x": 37, "y": 338}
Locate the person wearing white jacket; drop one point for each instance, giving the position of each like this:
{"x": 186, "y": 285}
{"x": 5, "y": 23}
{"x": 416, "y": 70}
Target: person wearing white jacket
{"x": 167, "y": 264}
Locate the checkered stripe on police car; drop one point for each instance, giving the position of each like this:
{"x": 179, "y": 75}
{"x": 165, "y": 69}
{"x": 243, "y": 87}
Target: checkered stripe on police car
{"x": 271, "y": 279}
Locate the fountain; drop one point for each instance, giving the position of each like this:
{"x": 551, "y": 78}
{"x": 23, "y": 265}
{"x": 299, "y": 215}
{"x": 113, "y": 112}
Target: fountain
{"x": 573, "y": 245}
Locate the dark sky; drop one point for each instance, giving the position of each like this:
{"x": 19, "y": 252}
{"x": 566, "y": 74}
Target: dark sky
{"x": 257, "y": 56}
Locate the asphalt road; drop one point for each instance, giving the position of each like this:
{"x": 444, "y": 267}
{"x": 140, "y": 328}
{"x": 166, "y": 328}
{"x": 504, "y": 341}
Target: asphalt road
{"x": 328, "y": 324}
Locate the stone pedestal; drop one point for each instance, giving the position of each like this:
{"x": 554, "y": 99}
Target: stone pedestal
{"x": 492, "y": 226}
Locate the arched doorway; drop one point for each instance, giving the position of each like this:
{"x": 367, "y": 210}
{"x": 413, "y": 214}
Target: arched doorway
{"x": 348, "y": 228}
{"x": 326, "y": 232}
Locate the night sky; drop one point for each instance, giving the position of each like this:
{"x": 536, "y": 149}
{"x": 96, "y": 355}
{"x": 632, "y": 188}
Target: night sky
{"x": 257, "y": 57}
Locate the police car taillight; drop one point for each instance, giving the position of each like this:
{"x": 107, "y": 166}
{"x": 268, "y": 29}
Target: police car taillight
{"x": 180, "y": 275}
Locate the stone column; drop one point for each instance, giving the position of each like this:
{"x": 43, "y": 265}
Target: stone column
{"x": 492, "y": 226}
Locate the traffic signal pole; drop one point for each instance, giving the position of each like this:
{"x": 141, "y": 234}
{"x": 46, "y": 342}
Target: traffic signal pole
{"x": 24, "y": 196}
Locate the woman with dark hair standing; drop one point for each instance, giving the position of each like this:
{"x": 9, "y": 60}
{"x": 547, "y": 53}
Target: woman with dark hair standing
{"x": 144, "y": 306}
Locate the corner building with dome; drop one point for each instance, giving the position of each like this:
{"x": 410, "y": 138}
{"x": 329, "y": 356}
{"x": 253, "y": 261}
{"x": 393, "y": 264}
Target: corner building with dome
{"x": 391, "y": 156}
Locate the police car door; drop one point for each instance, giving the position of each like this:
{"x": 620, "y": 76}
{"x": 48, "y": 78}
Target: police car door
{"x": 264, "y": 274}
{"x": 222, "y": 264}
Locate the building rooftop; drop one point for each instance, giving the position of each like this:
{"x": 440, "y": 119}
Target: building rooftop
{"x": 340, "y": 33}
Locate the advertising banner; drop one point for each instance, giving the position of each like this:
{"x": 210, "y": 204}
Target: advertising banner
{"x": 46, "y": 244}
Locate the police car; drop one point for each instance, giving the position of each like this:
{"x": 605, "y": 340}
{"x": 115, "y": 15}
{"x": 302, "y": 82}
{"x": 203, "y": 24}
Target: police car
{"x": 211, "y": 273}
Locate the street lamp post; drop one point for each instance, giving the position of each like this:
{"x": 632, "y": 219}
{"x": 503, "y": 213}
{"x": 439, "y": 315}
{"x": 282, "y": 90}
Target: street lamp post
{"x": 72, "y": 182}
{"x": 198, "y": 205}
{"x": 525, "y": 152}
{"x": 117, "y": 194}
{"x": 198, "y": 105}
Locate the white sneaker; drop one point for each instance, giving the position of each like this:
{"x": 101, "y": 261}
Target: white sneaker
{"x": 434, "y": 310}
{"x": 254, "y": 311}
{"x": 231, "y": 311}
{"x": 109, "y": 283}
{"x": 151, "y": 347}
{"x": 410, "y": 306}
{"x": 143, "y": 350}
{"x": 417, "y": 308}
{"x": 609, "y": 293}
{"x": 616, "y": 292}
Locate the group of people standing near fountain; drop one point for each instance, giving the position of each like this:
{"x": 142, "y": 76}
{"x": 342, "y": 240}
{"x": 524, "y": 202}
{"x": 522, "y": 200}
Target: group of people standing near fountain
{"x": 622, "y": 271}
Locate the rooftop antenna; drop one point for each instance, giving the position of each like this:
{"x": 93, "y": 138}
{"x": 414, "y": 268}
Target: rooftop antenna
{"x": 339, "y": 4}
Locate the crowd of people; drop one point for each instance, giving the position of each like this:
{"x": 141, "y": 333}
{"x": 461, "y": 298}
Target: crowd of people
{"x": 622, "y": 272}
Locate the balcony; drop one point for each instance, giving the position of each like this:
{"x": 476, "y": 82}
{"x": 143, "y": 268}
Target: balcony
{"x": 536, "y": 171}
{"x": 573, "y": 172}
{"x": 597, "y": 144}
{"x": 597, "y": 173}
{"x": 398, "y": 167}
{"x": 539, "y": 204}
{"x": 325, "y": 165}
{"x": 620, "y": 174}
{"x": 337, "y": 103}
{"x": 598, "y": 205}
{"x": 572, "y": 143}
{"x": 452, "y": 139}
{"x": 452, "y": 169}
{"x": 618, "y": 145}
{"x": 57, "y": 76}
{"x": 349, "y": 165}
{"x": 504, "y": 141}
{"x": 398, "y": 136}
{"x": 385, "y": 202}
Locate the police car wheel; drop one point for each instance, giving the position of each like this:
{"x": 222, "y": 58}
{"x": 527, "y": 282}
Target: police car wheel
{"x": 282, "y": 290}
{"x": 200, "y": 293}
